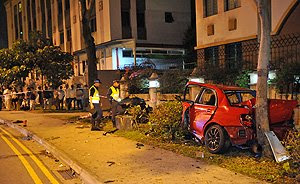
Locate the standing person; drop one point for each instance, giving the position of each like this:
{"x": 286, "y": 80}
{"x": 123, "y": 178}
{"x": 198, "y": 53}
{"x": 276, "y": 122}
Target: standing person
{"x": 32, "y": 99}
{"x": 21, "y": 96}
{"x": 47, "y": 98}
{"x": 40, "y": 95}
{"x": 7, "y": 94}
{"x": 61, "y": 96}
{"x": 55, "y": 99}
{"x": 14, "y": 99}
{"x": 79, "y": 97}
{"x": 95, "y": 104}
{"x": 28, "y": 94}
{"x": 68, "y": 97}
{"x": 73, "y": 96}
{"x": 114, "y": 98}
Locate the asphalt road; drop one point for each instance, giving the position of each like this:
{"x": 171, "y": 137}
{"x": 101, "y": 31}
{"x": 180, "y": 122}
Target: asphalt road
{"x": 20, "y": 165}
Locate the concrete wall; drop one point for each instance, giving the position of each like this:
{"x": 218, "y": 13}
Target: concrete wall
{"x": 246, "y": 17}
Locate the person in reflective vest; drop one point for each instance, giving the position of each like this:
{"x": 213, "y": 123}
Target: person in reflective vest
{"x": 114, "y": 97}
{"x": 95, "y": 105}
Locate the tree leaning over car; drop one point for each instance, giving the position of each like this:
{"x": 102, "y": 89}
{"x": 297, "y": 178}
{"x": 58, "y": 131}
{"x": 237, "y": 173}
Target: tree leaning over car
{"x": 261, "y": 113}
{"x": 86, "y": 12}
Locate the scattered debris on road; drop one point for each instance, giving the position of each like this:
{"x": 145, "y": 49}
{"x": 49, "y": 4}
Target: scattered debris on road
{"x": 110, "y": 132}
{"x": 110, "y": 163}
{"x": 139, "y": 145}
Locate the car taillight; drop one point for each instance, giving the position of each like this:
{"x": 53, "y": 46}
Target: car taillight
{"x": 246, "y": 120}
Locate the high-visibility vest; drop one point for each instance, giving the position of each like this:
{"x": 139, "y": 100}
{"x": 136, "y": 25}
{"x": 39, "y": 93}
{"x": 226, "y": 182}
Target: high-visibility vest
{"x": 95, "y": 97}
{"x": 115, "y": 93}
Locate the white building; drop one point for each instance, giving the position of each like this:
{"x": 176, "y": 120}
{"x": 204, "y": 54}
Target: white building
{"x": 152, "y": 28}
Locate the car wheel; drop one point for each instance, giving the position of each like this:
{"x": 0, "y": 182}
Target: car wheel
{"x": 216, "y": 139}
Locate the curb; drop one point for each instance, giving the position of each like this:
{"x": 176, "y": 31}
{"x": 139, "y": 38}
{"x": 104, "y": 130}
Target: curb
{"x": 85, "y": 176}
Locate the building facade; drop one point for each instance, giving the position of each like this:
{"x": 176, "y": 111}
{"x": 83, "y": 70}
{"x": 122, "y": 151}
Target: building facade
{"x": 126, "y": 32}
{"x": 227, "y": 33}
{"x": 3, "y": 27}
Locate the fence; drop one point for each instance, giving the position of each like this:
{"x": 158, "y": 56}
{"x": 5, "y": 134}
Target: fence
{"x": 285, "y": 50}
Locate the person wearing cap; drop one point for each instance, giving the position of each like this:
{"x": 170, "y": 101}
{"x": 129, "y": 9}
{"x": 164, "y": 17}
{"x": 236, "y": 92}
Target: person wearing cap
{"x": 113, "y": 96}
{"x": 95, "y": 104}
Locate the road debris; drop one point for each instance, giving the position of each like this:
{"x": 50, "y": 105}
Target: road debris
{"x": 139, "y": 145}
{"x": 110, "y": 132}
{"x": 110, "y": 163}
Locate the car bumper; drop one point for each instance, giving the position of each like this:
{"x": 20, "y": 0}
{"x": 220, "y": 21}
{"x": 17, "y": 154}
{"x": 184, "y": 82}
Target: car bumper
{"x": 240, "y": 135}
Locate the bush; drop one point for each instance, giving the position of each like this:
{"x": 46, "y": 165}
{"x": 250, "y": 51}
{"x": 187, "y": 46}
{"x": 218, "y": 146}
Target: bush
{"x": 173, "y": 81}
{"x": 287, "y": 76}
{"x": 292, "y": 144}
{"x": 165, "y": 121}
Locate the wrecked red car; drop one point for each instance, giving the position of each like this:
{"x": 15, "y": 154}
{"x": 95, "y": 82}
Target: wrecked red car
{"x": 220, "y": 116}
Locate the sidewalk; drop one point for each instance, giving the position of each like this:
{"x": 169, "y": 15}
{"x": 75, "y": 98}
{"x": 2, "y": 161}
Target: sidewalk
{"x": 116, "y": 159}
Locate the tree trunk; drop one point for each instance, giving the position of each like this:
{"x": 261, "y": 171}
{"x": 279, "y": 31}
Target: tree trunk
{"x": 262, "y": 114}
{"x": 89, "y": 41}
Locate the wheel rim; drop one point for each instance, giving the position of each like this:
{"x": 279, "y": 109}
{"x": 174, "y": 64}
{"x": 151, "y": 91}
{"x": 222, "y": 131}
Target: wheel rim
{"x": 213, "y": 138}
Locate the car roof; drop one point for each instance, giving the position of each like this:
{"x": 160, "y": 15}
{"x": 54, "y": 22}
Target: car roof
{"x": 221, "y": 87}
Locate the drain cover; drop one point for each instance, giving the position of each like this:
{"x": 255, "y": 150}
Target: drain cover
{"x": 67, "y": 174}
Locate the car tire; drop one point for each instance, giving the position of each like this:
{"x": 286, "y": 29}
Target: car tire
{"x": 216, "y": 139}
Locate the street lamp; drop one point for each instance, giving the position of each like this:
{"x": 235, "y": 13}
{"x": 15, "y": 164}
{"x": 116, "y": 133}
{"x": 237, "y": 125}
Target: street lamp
{"x": 153, "y": 81}
{"x": 153, "y": 89}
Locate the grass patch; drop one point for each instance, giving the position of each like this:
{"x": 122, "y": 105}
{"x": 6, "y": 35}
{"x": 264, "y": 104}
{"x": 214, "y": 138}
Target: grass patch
{"x": 236, "y": 160}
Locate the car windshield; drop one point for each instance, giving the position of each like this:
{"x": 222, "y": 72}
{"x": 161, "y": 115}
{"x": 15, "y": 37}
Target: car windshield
{"x": 237, "y": 97}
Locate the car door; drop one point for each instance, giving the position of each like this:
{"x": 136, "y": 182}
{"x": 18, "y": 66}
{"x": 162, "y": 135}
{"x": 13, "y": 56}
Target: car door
{"x": 203, "y": 110}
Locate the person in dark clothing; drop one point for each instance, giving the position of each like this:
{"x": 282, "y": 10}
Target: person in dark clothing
{"x": 95, "y": 104}
{"x": 40, "y": 94}
{"x": 113, "y": 96}
{"x": 28, "y": 95}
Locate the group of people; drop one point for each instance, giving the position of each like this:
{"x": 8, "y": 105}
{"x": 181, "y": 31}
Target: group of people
{"x": 69, "y": 97}
{"x": 113, "y": 96}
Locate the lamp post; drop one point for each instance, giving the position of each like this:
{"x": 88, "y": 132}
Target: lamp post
{"x": 123, "y": 88}
{"x": 153, "y": 89}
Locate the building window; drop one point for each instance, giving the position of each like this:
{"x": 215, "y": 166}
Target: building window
{"x": 210, "y": 7}
{"x": 141, "y": 22}
{"x": 231, "y": 4}
{"x": 125, "y": 18}
{"x": 20, "y": 20}
{"x": 43, "y": 16}
{"x": 93, "y": 20}
{"x": 211, "y": 56}
{"x": 169, "y": 17}
{"x": 69, "y": 35}
{"x": 33, "y": 13}
{"x": 60, "y": 15}
{"x": 67, "y": 5}
{"x": 49, "y": 18}
{"x": 61, "y": 38}
{"x": 233, "y": 55}
{"x": 16, "y": 22}
{"x": 127, "y": 53}
{"x": 28, "y": 17}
